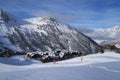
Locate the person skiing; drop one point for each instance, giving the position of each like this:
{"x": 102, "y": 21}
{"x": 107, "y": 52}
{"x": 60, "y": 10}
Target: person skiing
{"x": 54, "y": 61}
{"x": 81, "y": 58}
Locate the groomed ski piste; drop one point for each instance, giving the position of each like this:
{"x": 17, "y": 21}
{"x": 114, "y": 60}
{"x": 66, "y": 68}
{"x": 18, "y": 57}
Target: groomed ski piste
{"x": 98, "y": 66}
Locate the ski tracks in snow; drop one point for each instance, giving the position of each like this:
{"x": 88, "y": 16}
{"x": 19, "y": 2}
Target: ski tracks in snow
{"x": 105, "y": 68}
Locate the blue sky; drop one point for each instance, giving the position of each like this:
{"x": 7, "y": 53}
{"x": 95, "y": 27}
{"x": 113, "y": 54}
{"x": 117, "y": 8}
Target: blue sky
{"x": 84, "y": 13}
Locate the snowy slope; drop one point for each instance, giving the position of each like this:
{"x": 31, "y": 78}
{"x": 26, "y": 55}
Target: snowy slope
{"x": 43, "y": 34}
{"x": 93, "y": 67}
{"x": 7, "y": 24}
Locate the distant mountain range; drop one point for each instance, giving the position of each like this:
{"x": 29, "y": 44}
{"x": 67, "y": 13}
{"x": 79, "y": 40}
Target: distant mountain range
{"x": 103, "y": 35}
{"x": 42, "y": 34}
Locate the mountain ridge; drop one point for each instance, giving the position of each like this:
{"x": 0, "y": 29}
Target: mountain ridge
{"x": 44, "y": 35}
{"x": 101, "y": 35}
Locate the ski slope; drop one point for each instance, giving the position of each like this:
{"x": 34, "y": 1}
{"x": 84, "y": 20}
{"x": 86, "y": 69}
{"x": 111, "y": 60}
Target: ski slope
{"x": 93, "y": 67}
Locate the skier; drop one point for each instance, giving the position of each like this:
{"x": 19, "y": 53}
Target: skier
{"x": 81, "y": 58}
{"x": 54, "y": 61}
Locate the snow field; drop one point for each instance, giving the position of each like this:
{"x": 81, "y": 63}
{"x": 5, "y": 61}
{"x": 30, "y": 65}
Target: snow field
{"x": 93, "y": 67}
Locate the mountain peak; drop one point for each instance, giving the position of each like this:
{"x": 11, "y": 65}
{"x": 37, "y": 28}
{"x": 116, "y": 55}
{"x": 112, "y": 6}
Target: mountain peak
{"x": 1, "y": 10}
{"x": 42, "y": 20}
{"x": 9, "y": 20}
{"x": 4, "y": 17}
{"x": 117, "y": 27}
{"x": 49, "y": 19}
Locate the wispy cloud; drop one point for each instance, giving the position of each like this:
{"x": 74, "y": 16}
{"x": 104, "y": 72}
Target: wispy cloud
{"x": 85, "y": 13}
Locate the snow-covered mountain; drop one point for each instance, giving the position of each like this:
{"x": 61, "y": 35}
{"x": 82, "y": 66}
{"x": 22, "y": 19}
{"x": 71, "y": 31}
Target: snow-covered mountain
{"x": 112, "y": 35}
{"x": 42, "y": 34}
{"x": 109, "y": 33}
{"x": 112, "y": 42}
{"x": 100, "y": 34}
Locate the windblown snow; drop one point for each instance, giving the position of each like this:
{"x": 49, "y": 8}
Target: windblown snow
{"x": 93, "y": 67}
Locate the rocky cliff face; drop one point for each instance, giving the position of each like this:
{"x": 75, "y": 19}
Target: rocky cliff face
{"x": 43, "y": 34}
